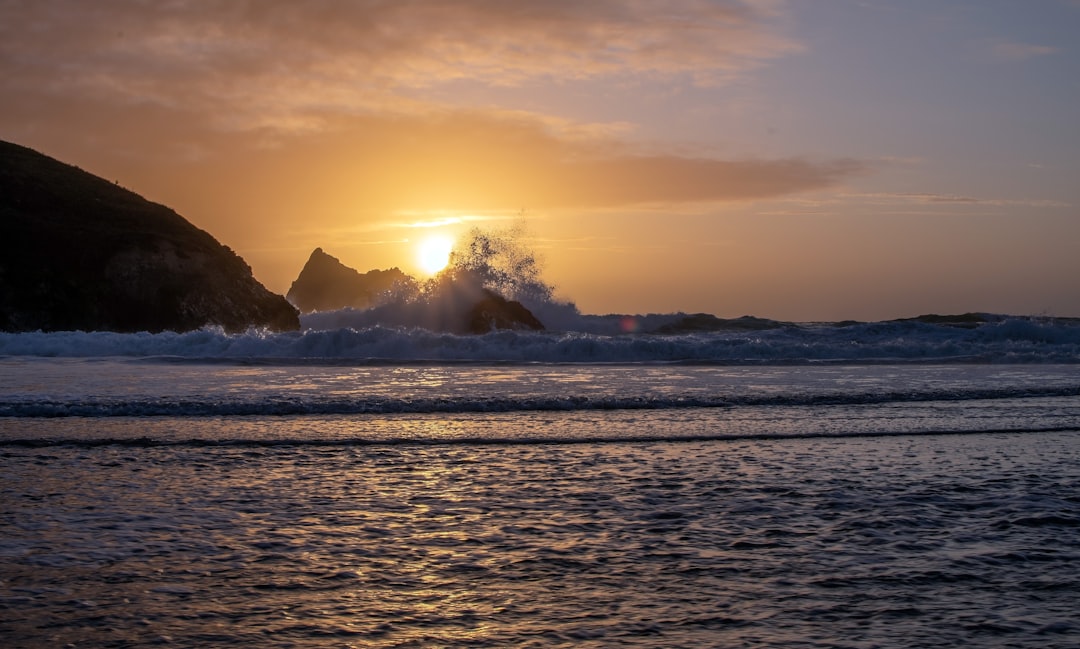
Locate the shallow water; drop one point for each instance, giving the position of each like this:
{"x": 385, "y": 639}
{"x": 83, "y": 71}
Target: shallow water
{"x": 251, "y": 503}
{"x": 935, "y": 541}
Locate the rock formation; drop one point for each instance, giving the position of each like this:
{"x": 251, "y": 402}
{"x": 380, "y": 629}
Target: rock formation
{"x": 80, "y": 253}
{"x": 456, "y": 301}
{"x": 325, "y": 284}
{"x": 493, "y": 311}
{"x": 962, "y": 321}
{"x": 704, "y": 322}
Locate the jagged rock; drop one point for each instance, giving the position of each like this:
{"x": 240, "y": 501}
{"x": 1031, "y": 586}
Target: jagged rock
{"x": 80, "y": 253}
{"x": 325, "y": 284}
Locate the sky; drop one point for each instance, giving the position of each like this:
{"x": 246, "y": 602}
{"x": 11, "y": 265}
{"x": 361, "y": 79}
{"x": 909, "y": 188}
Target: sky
{"x": 802, "y": 160}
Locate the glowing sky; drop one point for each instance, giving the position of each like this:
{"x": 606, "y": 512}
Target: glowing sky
{"x": 801, "y": 160}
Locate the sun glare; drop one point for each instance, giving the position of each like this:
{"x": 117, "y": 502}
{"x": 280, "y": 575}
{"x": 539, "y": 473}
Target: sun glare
{"x": 433, "y": 253}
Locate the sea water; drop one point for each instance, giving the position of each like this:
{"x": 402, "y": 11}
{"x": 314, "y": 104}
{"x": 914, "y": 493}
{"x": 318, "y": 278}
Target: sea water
{"x": 890, "y": 486}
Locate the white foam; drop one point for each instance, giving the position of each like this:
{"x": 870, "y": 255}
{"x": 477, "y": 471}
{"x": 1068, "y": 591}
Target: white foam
{"x": 348, "y": 335}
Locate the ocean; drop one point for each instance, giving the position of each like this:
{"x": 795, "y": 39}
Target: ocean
{"x": 898, "y": 484}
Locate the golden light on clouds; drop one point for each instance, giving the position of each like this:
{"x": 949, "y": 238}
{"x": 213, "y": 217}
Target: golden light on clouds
{"x": 277, "y": 116}
{"x": 285, "y": 65}
{"x": 646, "y": 131}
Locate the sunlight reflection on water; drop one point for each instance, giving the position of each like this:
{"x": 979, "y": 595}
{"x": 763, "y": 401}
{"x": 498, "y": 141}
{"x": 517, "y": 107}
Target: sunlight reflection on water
{"x": 891, "y": 542}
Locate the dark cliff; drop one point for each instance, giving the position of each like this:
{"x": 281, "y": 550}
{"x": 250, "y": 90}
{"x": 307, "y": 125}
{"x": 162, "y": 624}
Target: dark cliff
{"x": 80, "y": 253}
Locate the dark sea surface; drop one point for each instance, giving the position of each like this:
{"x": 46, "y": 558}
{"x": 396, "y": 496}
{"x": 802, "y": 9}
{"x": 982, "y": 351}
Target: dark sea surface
{"x": 899, "y": 541}
{"x": 260, "y": 490}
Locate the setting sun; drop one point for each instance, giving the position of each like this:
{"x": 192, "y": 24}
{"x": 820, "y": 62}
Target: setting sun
{"x": 433, "y": 253}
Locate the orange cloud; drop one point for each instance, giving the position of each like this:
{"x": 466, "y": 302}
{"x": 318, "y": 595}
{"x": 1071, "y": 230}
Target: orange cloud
{"x": 385, "y": 164}
{"x": 282, "y": 64}
{"x": 231, "y": 85}
{"x": 266, "y": 120}
{"x": 477, "y": 161}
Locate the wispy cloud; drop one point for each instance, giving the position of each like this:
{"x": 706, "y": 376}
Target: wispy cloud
{"x": 938, "y": 199}
{"x": 898, "y": 204}
{"x": 1015, "y": 51}
{"x": 434, "y": 221}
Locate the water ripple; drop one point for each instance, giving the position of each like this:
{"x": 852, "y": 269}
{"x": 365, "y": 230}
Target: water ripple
{"x": 834, "y": 542}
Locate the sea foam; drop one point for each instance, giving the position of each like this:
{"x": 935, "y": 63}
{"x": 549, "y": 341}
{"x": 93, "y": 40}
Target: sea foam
{"x": 328, "y": 339}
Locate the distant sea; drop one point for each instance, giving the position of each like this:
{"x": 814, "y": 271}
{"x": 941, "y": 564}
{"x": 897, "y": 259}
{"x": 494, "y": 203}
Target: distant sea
{"x": 898, "y": 484}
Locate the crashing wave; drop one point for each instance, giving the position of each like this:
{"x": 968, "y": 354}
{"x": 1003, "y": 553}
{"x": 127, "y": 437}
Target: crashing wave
{"x": 348, "y": 336}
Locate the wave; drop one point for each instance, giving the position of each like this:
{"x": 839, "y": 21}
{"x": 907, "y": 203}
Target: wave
{"x": 299, "y": 442}
{"x": 1003, "y": 340}
{"x": 363, "y": 405}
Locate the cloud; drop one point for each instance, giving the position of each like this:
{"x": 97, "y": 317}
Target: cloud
{"x": 925, "y": 198}
{"x": 673, "y": 179}
{"x": 438, "y": 219}
{"x": 899, "y": 204}
{"x": 1013, "y": 51}
{"x": 476, "y": 162}
{"x": 260, "y": 111}
{"x": 465, "y": 161}
{"x": 283, "y": 64}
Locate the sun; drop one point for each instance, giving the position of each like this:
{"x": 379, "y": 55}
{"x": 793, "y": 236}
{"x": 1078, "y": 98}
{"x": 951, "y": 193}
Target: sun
{"x": 433, "y": 253}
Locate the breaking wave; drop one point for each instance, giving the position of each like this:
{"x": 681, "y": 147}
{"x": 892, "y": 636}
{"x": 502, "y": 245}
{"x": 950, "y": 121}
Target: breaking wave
{"x": 278, "y": 405}
{"x": 341, "y": 337}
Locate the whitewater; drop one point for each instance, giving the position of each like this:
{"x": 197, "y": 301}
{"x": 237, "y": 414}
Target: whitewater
{"x": 892, "y": 484}
{"x": 335, "y": 336}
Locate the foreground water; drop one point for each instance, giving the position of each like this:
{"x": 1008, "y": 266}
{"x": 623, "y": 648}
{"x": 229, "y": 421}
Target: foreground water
{"x": 240, "y": 499}
{"x": 928, "y": 541}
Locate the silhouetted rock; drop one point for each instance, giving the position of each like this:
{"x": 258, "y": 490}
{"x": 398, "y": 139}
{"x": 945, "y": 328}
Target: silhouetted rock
{"x": 458, "y": 308}
{"x": 455, "y": 302}
{"x": 80, "y": 253}
{"x": 493, "y": 311}
{"x": 460, "y": 303}
{"x": 964, "y": 321}
{"x": 704, "y": 322}
{"x": 325, "y": 284}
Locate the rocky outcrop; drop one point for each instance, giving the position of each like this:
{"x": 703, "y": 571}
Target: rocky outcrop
{"x": 326, "y": 284}
{"x": 80, "y": 253}
{"x": 704, "y": 322}
{"x": 493, "y": 311}
{"x": 961, "y": 321}
{"x": 456, "y": 302}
